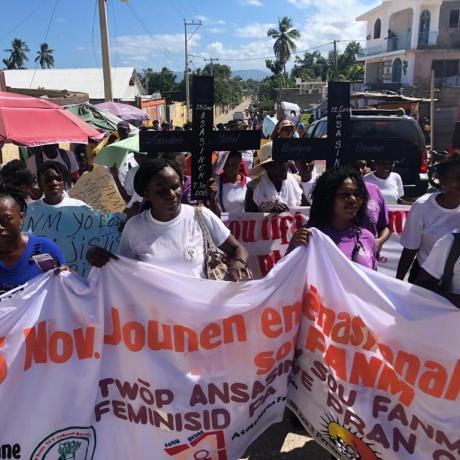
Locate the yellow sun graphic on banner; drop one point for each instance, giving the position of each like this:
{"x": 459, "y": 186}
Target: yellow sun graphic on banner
{"x": 348, "y": 444}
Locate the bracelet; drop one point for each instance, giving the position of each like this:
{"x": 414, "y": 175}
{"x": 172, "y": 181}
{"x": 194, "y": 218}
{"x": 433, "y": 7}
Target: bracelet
{"x": 244, "y": 262}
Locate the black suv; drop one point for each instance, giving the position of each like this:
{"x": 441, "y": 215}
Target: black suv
{"x": 390, "y": 123}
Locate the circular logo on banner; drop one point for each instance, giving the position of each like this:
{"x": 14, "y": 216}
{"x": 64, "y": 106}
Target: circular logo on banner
{"x": 190, "y": 255}
{"x": 346, "y": 443}
{"x": 74, "y": 442}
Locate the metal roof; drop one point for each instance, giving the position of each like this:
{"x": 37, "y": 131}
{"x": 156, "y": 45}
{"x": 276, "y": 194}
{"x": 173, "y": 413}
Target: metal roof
{"x": 86, "y": 80}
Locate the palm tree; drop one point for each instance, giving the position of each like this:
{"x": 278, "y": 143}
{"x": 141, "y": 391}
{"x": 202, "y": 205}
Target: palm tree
{"x": 45, "y": 56}
{"x": 285, "y": 37}
{"x": 18, "y": 54}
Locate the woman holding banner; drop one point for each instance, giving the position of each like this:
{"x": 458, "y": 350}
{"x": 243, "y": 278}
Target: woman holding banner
{"x": 339, "y": 210}
{"x": 169, "y": 234}
{"x": 430, "y": 218}
{"x": 23, "y": 256}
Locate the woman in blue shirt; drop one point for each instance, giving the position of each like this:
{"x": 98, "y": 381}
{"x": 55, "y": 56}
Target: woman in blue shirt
{"x": 22, "y": 256}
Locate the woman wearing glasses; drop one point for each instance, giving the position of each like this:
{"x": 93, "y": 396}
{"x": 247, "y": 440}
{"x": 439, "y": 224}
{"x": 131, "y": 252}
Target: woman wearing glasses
{"x": 339, "y": 210}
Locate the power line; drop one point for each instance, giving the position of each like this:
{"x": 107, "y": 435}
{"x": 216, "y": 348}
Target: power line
{"x": 265, "y": 57}
{"x": 45, "y": 39}
{"x": 20, "y": 23}
{"x": 146, "y": 30}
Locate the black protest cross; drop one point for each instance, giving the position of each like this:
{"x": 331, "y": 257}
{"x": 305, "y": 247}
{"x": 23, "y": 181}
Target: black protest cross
{"x": 339, "y": 146}
{"x": 202, "y": 140}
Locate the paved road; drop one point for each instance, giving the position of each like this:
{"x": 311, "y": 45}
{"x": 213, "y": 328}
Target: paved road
{"x": 226, "y": 117}
{"x": 284, "y": 441}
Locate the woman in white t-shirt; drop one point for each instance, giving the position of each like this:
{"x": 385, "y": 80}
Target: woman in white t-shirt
{"x": 54, "y": 180}
{"x": 231, "y": 185}
{"x": 430, "y": 218}
{"x": 169, "y": 234}
{"x": 389, "y": 182}
{"x": 432, "y": 270}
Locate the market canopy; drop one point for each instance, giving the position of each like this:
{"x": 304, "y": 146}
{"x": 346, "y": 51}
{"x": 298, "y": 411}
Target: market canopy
{"x": 97, "y": 118}
{"x": 116, "y": 153}
{"x": 124, "y": 111}
{"x": 29, "y": 121}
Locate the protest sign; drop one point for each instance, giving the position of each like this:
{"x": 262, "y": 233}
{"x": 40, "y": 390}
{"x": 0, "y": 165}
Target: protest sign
{"x": 122, "y": 375}
{"x": 267, "y": 236}
{"x": 98, "y": 189}
{"x": 75, "y": 229}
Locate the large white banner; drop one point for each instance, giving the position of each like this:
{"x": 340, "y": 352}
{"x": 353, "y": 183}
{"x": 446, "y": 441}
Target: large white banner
{"x": 140, "y": 363}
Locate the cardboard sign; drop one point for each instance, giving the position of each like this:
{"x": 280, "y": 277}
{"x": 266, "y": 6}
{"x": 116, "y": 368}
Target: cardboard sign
{"x": 75, "y": 229}
{"x": 97, "y": 188}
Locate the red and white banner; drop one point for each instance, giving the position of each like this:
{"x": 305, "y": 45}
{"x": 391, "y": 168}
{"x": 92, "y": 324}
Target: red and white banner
{"x": 140, "y": 363}
{"x": 267, "y": 236}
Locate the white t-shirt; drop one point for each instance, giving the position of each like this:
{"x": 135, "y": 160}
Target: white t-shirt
{"x": 129, "y": 187}
{"x": 426, "y": 223}
{"x": 307, "y": 187}
{"x": 176, "y": 245}
{"x": 67, "y": 201}
{"x": 233, "y": 196}
{"x": 32, "y": 162}
{"x": 392, "y": 188}
{"x": 437, "y": 259}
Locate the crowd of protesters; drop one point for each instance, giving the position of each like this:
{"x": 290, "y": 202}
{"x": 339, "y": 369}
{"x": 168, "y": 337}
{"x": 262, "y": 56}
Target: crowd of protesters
{"x": 167, "y": 228}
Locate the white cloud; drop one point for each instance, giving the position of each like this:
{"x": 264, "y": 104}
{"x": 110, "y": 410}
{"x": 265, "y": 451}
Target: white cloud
{"x": 154, "y": 49}
{"x": 251, "y": 2}
{"x": 209, "y": 21}
{"x": 80, "y": 48}
{"x": 253, "y": 30}
{"x": 216, "y": 30}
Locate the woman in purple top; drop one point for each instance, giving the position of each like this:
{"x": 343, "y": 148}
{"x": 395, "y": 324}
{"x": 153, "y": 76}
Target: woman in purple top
{"x": 339, "y": 210}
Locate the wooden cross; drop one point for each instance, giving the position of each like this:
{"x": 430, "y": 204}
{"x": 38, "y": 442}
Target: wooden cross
{"x": 339, "y": 144}
{"x": 201, "y": 141}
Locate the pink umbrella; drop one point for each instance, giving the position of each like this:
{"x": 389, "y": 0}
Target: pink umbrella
{"x": 29, "y": 121}
{"x": 124, "y": 111}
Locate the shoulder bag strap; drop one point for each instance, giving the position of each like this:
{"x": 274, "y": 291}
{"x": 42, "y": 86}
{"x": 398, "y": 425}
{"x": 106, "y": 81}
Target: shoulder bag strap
{"x": 452, "y": 258}
{"x": 204, "y": 228}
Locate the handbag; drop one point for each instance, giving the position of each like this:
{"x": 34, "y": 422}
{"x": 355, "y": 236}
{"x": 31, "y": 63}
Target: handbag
{"x": 217, "y": 263}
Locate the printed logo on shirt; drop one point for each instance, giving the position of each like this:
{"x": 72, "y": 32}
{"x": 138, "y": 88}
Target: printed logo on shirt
{"x": 74, "y": 442}
{"x": 190, "y": 255}
{"x": 373, "y": 206}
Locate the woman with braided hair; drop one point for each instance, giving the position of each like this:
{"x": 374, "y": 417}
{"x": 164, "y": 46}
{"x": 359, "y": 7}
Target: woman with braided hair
{"x": 167, "y": 233}
{"x": 23, "y": 256}
{"x": 339, "y": 210}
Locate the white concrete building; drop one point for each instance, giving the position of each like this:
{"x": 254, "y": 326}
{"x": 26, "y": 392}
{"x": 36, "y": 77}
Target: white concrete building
{"x": 126, "y": 85}
{"x": 407, "y": 38}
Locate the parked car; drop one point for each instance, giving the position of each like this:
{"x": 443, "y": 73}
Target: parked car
{"x": 390, "y": 123}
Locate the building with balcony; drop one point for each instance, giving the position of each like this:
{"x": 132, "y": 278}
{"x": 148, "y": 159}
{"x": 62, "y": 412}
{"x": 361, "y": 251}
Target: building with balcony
{"x": 406, "y": 39}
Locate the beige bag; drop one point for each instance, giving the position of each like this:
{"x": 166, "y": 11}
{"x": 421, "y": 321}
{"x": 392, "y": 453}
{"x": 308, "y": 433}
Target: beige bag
{"x": 216, "y": 261}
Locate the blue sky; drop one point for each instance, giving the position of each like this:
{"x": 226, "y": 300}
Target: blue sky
{"x": 150, "y": 33}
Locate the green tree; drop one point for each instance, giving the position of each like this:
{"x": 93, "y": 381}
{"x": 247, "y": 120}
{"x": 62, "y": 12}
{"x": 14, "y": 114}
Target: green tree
{"x": 285, "y": 37}
{"x": 228, "y": 90}
{"x": 312, "y": 66}
{"x": 163, "y": 82}
{"x": 18, "y": 54}
{"x": 45, "y": 56}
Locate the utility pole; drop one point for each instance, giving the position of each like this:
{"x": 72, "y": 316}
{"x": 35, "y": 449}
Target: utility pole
{"x": 186, "y": 76}
{"x": 105, "y": 51}
{"x": 335, "y": 61}
{"x": 211, "y": 60}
